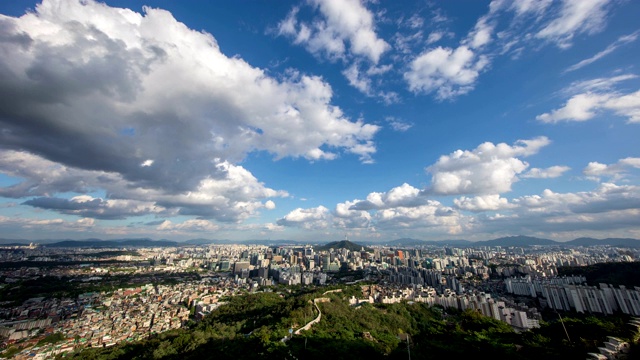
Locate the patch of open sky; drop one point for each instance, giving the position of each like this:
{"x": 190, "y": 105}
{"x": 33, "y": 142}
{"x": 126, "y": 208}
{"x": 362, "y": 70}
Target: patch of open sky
{"x": 7, "y": 180}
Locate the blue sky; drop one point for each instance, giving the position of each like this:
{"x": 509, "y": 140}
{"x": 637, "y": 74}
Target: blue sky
{"x": 317, "y": 119}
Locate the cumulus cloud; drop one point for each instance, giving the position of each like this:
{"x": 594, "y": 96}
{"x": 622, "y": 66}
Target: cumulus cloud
{"x": 586, "y": 106}
{"x": 482, "y": 203}
{"x": 548, "y": 173}
{"x": 431, "y": 215}
{"x": 404, "y": 195}
{"x": 486, "y": 170}
{"x": 567, "y": 208}
{"x": 46, "y": 225}
{"x": 345, "y": 216}
{"x": 583, "y": 107}
{"x": 197, "y": 225}
{"x": 449, "y": 72}
{"x": 593, "y": 97}
{"x": 403, "y": 207}
{"x": 425, "y": 214}
{"x": 96, "y": 93}
{"x": 452, "y": 71}
{"x": 233, "y": 195}
{"x": 616, "y": 171}
{"x": 269, "y": 205}
{"x": 342, "y": 30}
{"x": 221, "y": 107}
{"x": 310, "y": 219}
{"x": 607, "y": 208}
{"x": 90, "y": 207}
{"x": 345, "y": 28}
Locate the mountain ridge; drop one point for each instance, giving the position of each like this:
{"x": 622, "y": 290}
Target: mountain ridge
{"x": 506, "y": 241}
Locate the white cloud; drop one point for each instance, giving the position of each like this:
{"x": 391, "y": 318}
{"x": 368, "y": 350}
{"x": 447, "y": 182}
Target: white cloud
{"x": 575, "y": 17}
{"x": 548, "y": 173}
{"x": 432, "y": 215}
{"x": 405, "y": 43}
{"x": 428, "y": 214}
{"x": 269, "y": 205}
{"x": 414, "y": 22}
{"x": 604, "y": 199}
{"x": 591, "y": 97}
{"x": 579, "y": 108}
{"x": 313, "y": 218}
{"x": 434, "y": 37}
{"x": 481, "y": 33}
{"x": 357, "y": 80}
{"x": 586, "y": 106}
{"x": 608, "y": 209}
{"x": 453, "y": 71}
{"x": 346, "y": 217}
{"x": 447, "y": 71}
{"x": 482, "y": 203}
{"x": 344, "y": 30}
{"x": 232, "y": 195}
{"x": 609, "y": 49}
{"x": 403, "y": 207}
{"x": 616, "y": 171}
{"x": 139, "y": 105}
{"x": 42, "y": 177}
{"x": 47, "y": 225}
{"x": 438, "y": 16}
{"x": 89, "y": 207}
{"x": 536, "y": 7}
{"x": 404, "y": 195}
{"x": 343, "y": 22}
{"x": 606, "y": 84}
{"x": 486, "y": 170}
{"x": 222, "y": 104}
{"x": 625, "y": 105}
{"x": 397, "y": 124}
{"x": 197, "y": 225}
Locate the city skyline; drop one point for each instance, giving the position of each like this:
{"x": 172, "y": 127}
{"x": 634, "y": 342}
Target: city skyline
{"x": 314, "y": 119}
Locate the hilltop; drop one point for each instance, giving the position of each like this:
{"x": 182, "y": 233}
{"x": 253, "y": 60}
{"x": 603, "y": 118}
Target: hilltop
{"x": 344, "y": 244}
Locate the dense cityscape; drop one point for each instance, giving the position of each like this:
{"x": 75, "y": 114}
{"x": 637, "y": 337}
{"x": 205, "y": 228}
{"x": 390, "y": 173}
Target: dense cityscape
{"x": 164, "y": 288}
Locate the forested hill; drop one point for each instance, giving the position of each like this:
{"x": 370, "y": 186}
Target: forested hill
{"x": 344, "y": 244}
{"x": 252, "y": 326}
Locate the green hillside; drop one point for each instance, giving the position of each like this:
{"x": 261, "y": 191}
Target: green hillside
{"x": 252, "y": 326}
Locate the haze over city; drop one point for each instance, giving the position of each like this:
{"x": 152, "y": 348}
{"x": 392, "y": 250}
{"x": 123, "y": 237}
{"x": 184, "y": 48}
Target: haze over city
{"x": 313, "y": 120}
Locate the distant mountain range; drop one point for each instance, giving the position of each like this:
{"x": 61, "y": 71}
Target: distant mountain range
{"x": 519, "y": 240}
{"x": 508, "y": 241}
